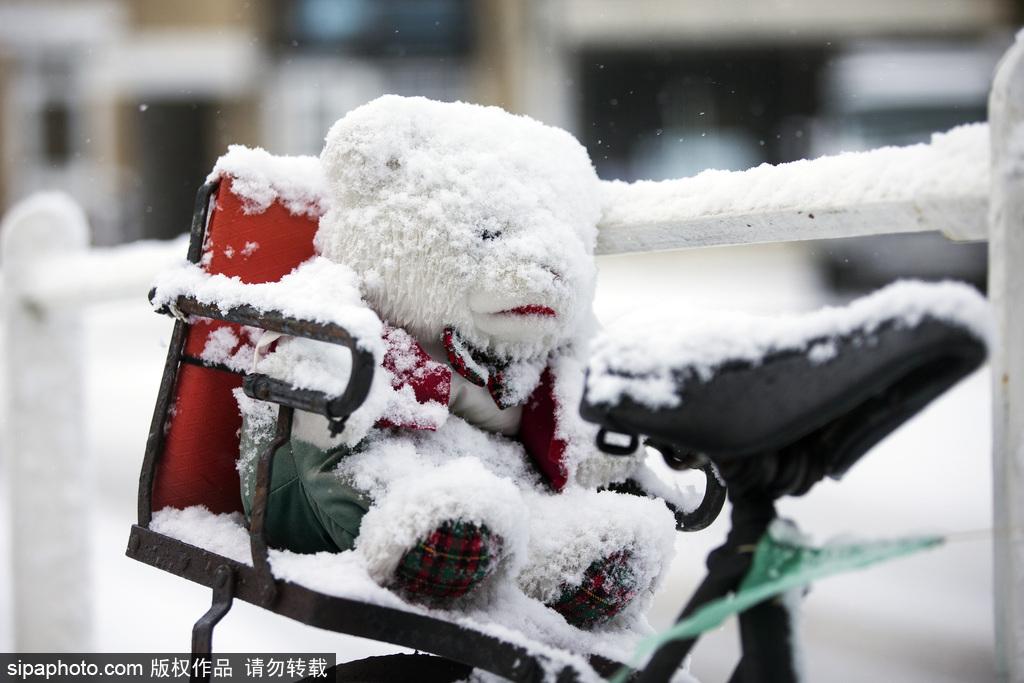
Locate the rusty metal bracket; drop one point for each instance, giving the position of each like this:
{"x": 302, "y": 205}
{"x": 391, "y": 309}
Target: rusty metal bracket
{"x": 257, "y": 524}
{"x": 202, "y": 631}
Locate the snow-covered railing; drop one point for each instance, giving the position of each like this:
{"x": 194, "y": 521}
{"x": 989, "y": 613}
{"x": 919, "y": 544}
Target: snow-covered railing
{"x": 941, "y": 186}
{"x": 49, "y": 274}
{"x": 951, "y": 185}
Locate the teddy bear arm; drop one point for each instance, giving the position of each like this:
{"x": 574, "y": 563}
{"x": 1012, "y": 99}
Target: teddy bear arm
{"x": 338, "y": 506}
{"x": 309, "y": 508}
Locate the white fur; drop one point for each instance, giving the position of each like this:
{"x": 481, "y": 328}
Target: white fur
{"x": 454, "y": 212}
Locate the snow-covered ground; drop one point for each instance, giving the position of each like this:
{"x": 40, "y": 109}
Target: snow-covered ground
{"x": 926, "y": 618}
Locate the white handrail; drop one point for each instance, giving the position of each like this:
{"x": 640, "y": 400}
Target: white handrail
{"x": 78, "y": 279}
{"x": 49, "y": 275}
{"x": 43, "y": 437}
{"x": 1006, "y": 290}
{"x": 939, "y": 186}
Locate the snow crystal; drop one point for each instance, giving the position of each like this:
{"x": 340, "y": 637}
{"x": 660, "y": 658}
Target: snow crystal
{"x": 643, "y": 358}
{"x": 953, "y": 164}
{"x": 260, "y": 179}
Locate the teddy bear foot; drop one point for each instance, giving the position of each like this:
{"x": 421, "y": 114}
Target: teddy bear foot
{"x": 448, "y": 563}
{"x": 608, "y": 586}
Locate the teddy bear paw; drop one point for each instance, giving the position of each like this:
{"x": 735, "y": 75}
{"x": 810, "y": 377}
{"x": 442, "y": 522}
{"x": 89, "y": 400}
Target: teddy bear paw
{"x": 608, "y": 586}
{"x": 448, "y": 563}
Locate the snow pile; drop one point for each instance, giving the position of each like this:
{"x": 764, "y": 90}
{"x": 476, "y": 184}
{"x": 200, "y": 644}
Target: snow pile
{"x": 420, "y": 479}
{"x": 387, "y": 457}
{"x": 326, "y": 368}
{"x": 506, "y": 613}
{"x": 578, "y": 526}
{"x": 586, "y": 465}
{"x": 306, "y": 364}
{"x": 954, "y": 164}
{"x": 686, "y": 499}
{"x": 645, "y": 360}
{"x": 224, "y": 346}
{"x": 260, "y": 178}
{"x": 317, "y": 290}
{"x": 413, "y": 507}
{"x": 224, "y": 534}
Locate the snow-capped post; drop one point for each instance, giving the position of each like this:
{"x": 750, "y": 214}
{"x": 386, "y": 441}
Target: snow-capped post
{"x": 43, "y": 438}
{"x": 1006, "y": 290}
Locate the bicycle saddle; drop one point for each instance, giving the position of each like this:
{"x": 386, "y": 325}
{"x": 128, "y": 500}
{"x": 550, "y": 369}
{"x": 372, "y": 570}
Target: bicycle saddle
{"x": 838, "y": 382}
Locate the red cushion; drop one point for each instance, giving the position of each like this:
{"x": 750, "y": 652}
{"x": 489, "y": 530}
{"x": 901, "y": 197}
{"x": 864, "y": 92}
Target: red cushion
{"x": 197, "y": 466}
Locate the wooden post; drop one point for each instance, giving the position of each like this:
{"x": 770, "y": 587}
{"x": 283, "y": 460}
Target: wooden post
{"x": 1006, "y": 290}
{"x": 49, "y": 480}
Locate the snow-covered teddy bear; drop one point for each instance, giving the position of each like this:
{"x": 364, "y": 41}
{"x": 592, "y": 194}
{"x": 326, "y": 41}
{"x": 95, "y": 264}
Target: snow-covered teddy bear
{"x": 472, "y": 232}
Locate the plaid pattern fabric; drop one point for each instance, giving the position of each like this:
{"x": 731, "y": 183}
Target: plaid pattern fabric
{"x": 449, "y": 563}
{"x": 609, "y": 584}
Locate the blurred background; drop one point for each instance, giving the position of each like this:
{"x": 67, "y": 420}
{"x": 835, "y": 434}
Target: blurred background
{"x": 125, "y": 105}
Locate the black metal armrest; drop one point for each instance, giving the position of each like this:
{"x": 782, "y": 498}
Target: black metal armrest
{"x": 335, "y": 409}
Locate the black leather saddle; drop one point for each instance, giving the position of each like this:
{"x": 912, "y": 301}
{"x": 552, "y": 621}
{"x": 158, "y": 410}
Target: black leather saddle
{"x": 806, "y": 417}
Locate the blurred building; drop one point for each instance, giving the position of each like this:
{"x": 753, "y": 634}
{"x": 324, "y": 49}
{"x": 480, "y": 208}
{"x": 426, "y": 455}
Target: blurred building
{"x": 126, "y": 103}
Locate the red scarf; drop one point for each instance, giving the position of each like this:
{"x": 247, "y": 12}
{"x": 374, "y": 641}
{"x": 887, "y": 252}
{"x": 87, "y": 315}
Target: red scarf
{"x": 430, "y": 381}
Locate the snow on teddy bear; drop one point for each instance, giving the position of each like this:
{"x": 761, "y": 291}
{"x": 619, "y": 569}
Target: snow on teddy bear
{"x": 472, "y": 232}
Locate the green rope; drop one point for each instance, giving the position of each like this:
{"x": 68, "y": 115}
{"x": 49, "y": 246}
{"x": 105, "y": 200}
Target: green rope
{"x": 780, "y": 565}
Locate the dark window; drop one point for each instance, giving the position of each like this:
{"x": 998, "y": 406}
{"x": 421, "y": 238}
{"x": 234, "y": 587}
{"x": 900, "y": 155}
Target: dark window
{"x": 174, "y": 158}
{"x": 378, "y": 27}
{"x": 56, "y": 134}
{"x": 666, "y": 113}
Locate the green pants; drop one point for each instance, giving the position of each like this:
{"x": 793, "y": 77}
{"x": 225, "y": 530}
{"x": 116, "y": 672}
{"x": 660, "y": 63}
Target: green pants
{"x": 310, "y": 508}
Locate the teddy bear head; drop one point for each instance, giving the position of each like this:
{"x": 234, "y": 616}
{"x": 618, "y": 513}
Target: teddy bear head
{"x": 464, "y": 217}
